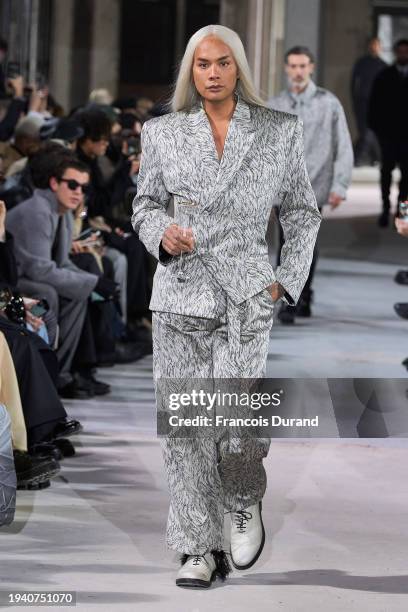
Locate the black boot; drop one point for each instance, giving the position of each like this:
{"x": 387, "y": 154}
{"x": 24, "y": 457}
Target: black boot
{"x": 34, "y": 472}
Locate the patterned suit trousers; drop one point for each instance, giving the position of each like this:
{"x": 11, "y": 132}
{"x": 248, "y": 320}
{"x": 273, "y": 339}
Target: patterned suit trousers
{"x": 207, "y": 475}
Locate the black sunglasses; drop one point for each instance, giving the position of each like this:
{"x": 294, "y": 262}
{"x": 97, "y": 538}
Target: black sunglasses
{"x": 73, "y": 185}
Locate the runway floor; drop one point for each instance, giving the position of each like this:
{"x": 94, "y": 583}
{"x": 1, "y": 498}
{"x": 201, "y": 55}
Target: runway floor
{"x": 335, "y": 511}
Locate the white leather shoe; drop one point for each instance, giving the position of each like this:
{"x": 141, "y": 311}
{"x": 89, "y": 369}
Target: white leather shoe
{"x": 197, "y": 571}
{"x": 247, "y": 536}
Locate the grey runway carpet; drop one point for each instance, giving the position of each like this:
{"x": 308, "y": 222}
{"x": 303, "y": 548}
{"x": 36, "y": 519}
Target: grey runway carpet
{"x": 335, "y": 511}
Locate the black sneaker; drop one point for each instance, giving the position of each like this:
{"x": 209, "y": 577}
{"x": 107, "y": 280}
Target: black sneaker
{"x": 34, "y": 472}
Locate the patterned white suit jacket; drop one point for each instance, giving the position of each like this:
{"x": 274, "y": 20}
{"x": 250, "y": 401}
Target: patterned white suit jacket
{"x": 262, "y": 160}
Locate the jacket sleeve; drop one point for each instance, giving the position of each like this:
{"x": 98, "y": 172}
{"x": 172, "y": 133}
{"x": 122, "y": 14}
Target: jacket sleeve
{"x": 343, "y": 154}
{"x": 150, "y": 219}
{"x": 300, "y": 220}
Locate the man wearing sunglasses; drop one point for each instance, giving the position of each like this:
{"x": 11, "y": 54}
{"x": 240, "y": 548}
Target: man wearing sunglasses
{"x": 42, "y": 227}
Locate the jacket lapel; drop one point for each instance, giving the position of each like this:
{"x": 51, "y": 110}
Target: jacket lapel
{"x": 201, "y": 172}
{"x": 197, "y": 163}
{"x": 240, "y": 137}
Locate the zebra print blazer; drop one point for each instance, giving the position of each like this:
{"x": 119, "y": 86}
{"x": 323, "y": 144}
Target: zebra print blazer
{"x": 262, "y": 160}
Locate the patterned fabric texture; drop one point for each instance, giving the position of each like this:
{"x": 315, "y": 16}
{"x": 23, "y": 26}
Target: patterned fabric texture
{"x": 262, "y": 160}
{"x": 207, "y": 474}
{"x": 216, "y": 324}
{"x": 327, "y": 140}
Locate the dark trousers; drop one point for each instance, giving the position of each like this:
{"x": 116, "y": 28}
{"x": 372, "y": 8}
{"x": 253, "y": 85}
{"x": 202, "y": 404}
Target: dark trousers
{"x": 307, "y": 289}
{"x": 97, "y": 339}
{"x": 138, "y": 292}
{"x": 36, "y": 368}
{"x": 393, "y": 154}
{"x": 367, "y": 149}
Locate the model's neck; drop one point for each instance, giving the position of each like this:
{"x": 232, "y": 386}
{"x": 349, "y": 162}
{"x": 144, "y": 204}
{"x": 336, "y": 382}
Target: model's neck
{"x": 220, "y": 111}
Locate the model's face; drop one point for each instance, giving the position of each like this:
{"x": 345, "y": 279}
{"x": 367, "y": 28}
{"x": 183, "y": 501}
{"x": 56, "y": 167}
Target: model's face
{"x": 401, "y": 55}
{"x": 299, "y": 70}
{"x": 215, "y": 71}
{"x": 69, "y": 190}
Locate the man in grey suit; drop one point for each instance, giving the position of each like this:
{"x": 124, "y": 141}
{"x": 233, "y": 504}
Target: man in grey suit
{"x": 223, "y": 156}
{"x": 328, "y": 148}
{"x": 42, "y": 228}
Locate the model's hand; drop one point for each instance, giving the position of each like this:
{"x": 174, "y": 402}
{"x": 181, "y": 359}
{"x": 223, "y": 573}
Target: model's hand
{"x": 402, "y": 226}
{"x": 335, "y": 199}
{"x": 276, "y": 290}
{"x": 178, "y": 240}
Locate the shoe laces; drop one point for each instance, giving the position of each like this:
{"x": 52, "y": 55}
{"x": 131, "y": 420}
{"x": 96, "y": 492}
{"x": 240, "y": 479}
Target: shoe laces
{"x": 197, "y": 559}
{"x": 241, "y": 517}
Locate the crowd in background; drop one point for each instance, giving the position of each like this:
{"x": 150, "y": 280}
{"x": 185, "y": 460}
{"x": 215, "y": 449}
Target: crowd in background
{"x": 75, "y": 280}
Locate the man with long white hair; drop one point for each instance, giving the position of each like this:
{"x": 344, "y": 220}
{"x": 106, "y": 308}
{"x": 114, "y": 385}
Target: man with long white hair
{"x": 222, "y": 153}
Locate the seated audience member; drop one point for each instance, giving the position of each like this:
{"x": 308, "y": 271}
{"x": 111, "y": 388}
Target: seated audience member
{"x": 36, "y": 369}
{"x": 10, "y": 396}
{"x": 42, "y": 228}
{"x": 7, "y": 471}
{"x": 101, "y": 200}
{"x": 36, "y": 173}
{"x": 67, "y": 132}
{"x": 101, "y": 96}
{"x": 16, "y": 108}
{"x": 91, "y": 146}
{"x": 25, "y": 142}
{"x": 31, "y": 470}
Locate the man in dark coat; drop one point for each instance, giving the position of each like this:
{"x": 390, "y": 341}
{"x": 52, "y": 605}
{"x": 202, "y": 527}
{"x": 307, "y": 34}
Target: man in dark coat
{"x": 388, "y": 117}
{"x": 365, "y": 71}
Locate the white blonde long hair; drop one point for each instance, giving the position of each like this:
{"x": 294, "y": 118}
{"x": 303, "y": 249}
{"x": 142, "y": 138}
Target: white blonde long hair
{"x": 185, "y": 94}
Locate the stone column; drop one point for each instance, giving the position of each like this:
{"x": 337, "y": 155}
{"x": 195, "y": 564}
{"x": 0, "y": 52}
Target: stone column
{"x": 346, "y": 25}
{"x": 105, "y": 45}
{"x": 61, "y": 51}
{"x": 260, "y": 24}
{"x": 234, "y": 14}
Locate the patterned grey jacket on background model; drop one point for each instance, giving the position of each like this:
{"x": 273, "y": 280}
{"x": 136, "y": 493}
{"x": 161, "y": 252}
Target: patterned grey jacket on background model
{"x": 328, "y": 147}
{"x": 262, "y": 157}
